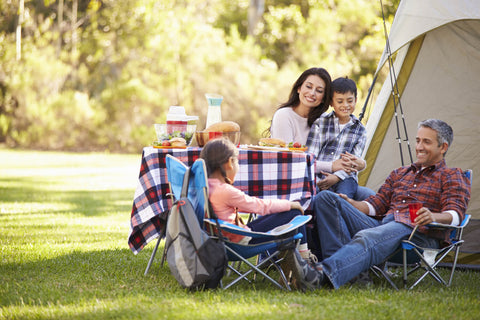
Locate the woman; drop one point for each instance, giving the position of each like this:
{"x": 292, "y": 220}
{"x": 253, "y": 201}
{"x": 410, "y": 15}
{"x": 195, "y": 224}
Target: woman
{"x": 309, "y": 98}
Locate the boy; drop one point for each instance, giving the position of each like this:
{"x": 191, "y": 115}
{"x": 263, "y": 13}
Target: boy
{"x": 338, "y": 134}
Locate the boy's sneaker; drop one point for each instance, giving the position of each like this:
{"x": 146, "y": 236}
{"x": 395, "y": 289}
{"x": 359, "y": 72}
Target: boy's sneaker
{"x": 300, "y": 274}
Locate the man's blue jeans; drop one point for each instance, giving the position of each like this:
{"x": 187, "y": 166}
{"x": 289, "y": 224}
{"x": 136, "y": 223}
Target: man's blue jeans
{"x": 352, "y": 242}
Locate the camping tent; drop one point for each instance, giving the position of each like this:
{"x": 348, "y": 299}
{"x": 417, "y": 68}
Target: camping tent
{"x": 436, "y": 64}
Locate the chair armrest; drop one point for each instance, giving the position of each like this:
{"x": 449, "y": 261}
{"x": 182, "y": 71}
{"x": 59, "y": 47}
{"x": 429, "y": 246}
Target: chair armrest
{"x": 448, "y": 226}
{"x": 441, "y": 225}
{"x": 279, "y": 231}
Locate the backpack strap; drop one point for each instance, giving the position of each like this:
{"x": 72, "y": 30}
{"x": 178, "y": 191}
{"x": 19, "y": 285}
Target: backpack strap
{"x": 186, "y": 178}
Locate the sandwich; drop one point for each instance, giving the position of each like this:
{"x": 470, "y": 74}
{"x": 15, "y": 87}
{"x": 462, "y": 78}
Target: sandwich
{"x": 272, "y": 142}
{"x": 178, "y": 142}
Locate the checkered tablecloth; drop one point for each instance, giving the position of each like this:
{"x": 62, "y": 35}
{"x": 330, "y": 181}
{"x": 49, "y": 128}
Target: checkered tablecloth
{"x": 264, "y": 174}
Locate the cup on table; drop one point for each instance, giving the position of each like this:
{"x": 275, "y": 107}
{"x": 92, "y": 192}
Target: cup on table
{"x": 413, "y": 208}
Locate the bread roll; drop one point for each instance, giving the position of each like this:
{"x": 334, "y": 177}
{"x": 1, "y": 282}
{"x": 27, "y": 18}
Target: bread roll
{"x": 178, "y": 142}
{"x": 272, "y": 142}
{"x": 224, "y": 126}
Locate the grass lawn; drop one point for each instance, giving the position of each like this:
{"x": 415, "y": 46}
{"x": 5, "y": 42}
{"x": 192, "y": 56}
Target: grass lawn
{"x": 64, "y": 223}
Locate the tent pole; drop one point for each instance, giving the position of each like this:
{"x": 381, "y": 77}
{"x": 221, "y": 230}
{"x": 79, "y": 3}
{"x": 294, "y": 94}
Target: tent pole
{"x": 395, "y": 94}
{"x": 362, "y": 113}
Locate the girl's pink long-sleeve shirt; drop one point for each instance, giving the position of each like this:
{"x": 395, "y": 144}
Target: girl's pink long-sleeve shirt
{"x": 227, "y": 200}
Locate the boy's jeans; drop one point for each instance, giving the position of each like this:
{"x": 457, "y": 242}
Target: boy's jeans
{"x": 347, "y": 186}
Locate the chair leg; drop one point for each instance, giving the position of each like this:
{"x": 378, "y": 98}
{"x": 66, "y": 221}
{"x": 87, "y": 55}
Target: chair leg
{"x": 405, "y": 272}
{"x": 253, "y": 268}
{"x": 381, "y": 270}
{"x": 429, "y": 270}
{"x": 457, "y": 249}
{"x": 154, "y": 253}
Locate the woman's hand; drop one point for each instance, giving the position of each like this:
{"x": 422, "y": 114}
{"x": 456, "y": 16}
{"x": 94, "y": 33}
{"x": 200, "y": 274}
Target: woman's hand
{"x": 342, "y": 164}
{"x": 296, "y": 205}
{"x": 348, "y": 163}
{"x": 328, "y": 181}
{"x": 356, "y": 163}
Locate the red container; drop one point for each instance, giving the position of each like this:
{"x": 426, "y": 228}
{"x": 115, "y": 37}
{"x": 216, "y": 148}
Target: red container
{"x": 176, "y": 125}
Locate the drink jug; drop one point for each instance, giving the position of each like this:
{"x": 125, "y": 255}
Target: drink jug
{"x": 214, "y": 113}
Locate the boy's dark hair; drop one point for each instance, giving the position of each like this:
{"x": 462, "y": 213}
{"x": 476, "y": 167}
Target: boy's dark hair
{"x": 344, "y": 85}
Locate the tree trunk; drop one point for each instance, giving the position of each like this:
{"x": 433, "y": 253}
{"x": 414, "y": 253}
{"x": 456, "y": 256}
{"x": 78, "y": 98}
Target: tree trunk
{"x": 74, "y": 29}
{"x": 255, "y": 12}
{"x": 18, "y": 32}
{"x": 60, "y": 25}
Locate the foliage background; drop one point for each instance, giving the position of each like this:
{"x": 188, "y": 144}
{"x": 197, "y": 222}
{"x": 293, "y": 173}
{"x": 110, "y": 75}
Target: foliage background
{"x": 96, "y": 75}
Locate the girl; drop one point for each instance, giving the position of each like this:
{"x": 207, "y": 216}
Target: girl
{"x": 221, "y": 160}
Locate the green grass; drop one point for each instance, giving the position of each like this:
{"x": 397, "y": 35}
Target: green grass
{"x": 64, "y": 223}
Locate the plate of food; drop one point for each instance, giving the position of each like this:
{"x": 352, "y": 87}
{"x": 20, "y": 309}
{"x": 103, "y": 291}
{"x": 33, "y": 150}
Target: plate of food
{"x": 268, "y": 144}
{"x": 297, "y": 147}
{"x": 173, "y": 143}
{"x": 272, "y": 144}
{"x": 168, "y": 147}
{"x": 265, "y": 148}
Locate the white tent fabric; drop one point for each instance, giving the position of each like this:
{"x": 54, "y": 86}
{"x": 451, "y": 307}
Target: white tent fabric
{"x": 437, "y": 45}
{"x": 414, "y": 18}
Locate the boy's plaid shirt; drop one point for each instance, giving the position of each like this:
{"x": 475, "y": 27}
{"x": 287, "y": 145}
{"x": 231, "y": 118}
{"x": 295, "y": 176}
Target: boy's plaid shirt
{"x": 327, "y": 142}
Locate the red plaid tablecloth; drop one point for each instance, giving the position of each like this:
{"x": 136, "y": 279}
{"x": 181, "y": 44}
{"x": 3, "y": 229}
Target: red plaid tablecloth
{"x": 264, "y": 174}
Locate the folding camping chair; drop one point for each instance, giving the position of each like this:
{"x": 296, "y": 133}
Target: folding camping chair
{"x": 272, "y": 243}
{"x": 412, "y": 256}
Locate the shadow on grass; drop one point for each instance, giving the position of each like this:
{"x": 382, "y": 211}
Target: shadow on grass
{"x": 82, "y": 276}
{"x": 88, "y": 203}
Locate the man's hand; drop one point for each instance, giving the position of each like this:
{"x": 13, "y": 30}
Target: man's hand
{"x": 425, "y": 216}
{"x": 360, "y": 205}
{"x": 328, "y": 181}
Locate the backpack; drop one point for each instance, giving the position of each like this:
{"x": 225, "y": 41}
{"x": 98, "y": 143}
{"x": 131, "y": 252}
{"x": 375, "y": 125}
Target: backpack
{"x": 196, "y": 260}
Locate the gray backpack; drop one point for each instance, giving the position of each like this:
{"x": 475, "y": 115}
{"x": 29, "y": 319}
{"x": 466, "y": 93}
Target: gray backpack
{"x": 196, "y": 260}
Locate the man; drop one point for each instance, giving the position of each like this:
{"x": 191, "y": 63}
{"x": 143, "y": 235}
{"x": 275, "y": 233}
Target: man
{"x": 355, "y": 235}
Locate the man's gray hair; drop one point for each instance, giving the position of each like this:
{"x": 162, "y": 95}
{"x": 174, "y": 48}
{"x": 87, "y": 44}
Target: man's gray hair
{"x": 444, "y": 131}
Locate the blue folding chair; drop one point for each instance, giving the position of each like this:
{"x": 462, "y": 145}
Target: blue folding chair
{"x": 413, "y": 257}
{"x": 272, "y": 243}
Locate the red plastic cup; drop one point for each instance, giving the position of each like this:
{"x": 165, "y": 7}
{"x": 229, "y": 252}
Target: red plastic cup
{"x": 413, "y": 208}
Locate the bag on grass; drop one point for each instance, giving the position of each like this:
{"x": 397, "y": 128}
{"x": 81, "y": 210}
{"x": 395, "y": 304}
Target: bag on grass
{"x": 195, "y": 260}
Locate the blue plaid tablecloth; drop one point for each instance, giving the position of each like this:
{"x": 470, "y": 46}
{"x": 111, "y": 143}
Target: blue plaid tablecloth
{"x": 264, "y": 174}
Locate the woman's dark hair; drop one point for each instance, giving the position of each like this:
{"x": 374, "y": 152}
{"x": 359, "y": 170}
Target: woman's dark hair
{"x": 217, "y": 152}
{"x": 294, "y": 99}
